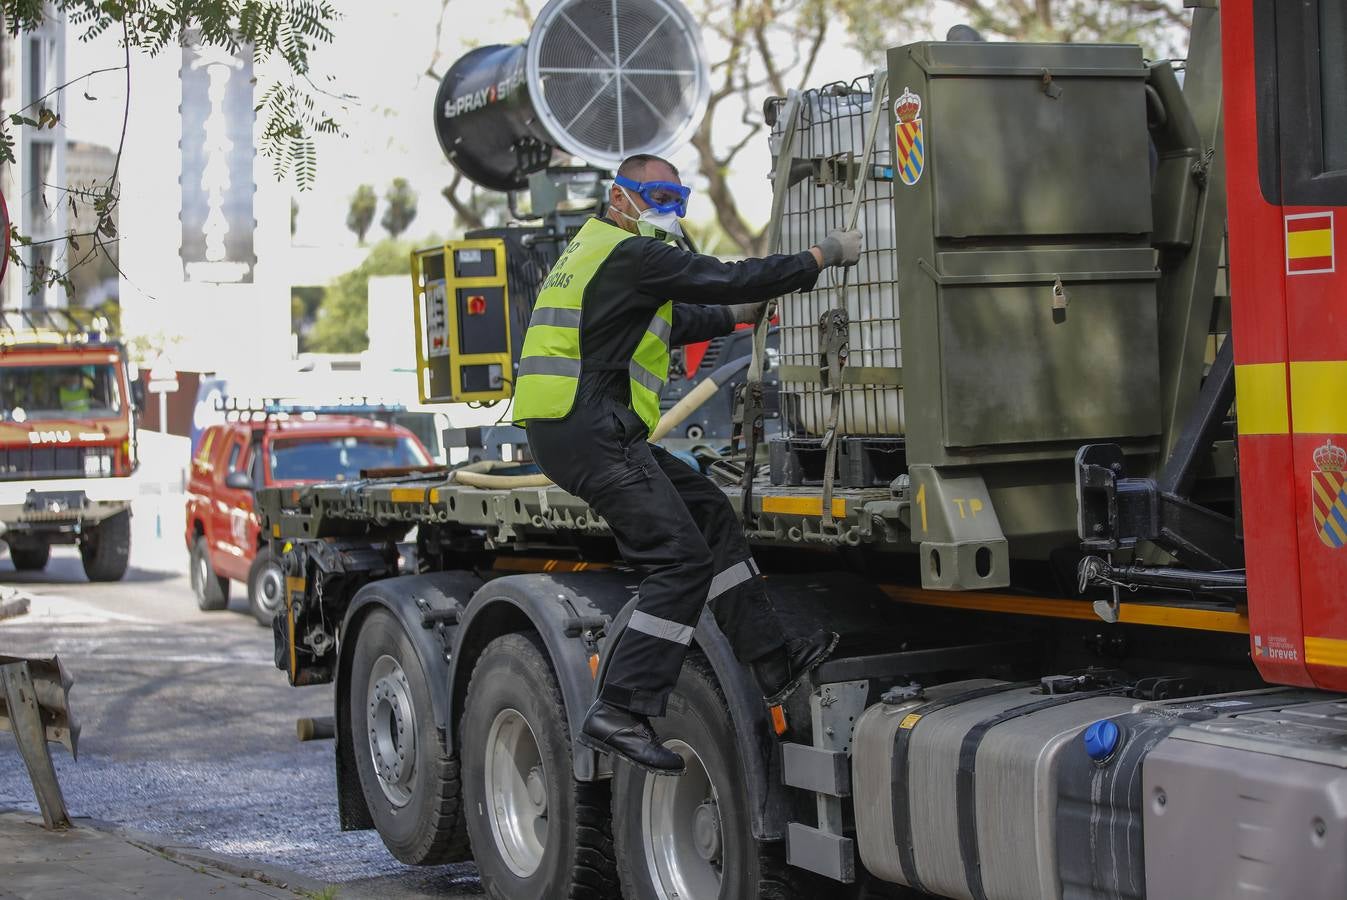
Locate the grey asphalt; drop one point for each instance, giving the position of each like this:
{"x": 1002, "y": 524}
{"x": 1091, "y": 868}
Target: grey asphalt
{"x": 188, "y": 728}
{"x": 95, "y": 860}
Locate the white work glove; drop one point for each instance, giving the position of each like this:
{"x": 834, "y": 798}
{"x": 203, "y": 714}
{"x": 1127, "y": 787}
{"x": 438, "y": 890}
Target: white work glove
{"x": 841, "y": 248}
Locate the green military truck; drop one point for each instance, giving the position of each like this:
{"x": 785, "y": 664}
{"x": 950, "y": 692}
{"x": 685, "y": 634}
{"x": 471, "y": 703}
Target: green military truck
{"x": 1009, "y": 474}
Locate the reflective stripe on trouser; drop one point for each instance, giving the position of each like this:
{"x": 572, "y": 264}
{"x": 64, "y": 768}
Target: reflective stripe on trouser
{"x": 680, "y": 531}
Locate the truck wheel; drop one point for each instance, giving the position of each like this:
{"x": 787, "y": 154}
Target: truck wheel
{"x": 212, "y": 591}
{"x": 536, "y": 832}
{"x": 691, "y": 837}
{"x": 30, "y": 558}
{"x": 105, "y": 549}
{"x": 266, "y": 587}
{"x": 409, "y": 781}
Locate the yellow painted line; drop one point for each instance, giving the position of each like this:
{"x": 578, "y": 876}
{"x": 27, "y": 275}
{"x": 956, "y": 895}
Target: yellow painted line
{"x": 1260, "y": 398}
{"x": 1318, "y": 397}
{"x": 1130, "y": 613}
{"x": 802, "y": 506}
{"x": 1309, "y": 244}
{"x": 407, "y": 495}
{"x": 1322, "y": 651}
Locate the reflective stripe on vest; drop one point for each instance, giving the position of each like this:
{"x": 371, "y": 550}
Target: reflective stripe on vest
{"x": 549, "y": 363}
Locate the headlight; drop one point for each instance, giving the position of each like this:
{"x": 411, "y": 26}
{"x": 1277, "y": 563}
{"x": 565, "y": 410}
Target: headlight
{"x": 97, "y": 463}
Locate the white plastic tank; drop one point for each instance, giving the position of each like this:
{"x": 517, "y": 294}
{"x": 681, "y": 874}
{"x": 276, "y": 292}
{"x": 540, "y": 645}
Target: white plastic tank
{"x": 831, "y": 131}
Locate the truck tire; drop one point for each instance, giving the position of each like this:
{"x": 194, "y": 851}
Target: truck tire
{"x": 30, "y": 557}
{"x": 212, "y": 591}
{"x": 536, "y": 832}
{"x": 409, "y": 779}
{"x": 105, "y": 549}
{"x": 266, "y": 587}
{"x": 691, "y": 836}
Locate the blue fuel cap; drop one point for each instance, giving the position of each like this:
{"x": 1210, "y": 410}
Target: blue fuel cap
{"x": 1101, "y": 739}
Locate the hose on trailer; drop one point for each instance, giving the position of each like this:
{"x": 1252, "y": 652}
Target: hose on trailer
{"x": 482, "y": 475}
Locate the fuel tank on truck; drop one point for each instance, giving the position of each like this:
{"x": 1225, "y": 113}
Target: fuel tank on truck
{"x": 965, "y": 782}
{"x": 995, "y": 789}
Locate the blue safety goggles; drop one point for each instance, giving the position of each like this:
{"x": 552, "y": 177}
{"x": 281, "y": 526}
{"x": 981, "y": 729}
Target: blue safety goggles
{"x": 661, "y": 196}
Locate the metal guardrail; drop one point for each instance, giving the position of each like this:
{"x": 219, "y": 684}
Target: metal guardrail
{"x": 34, "y": 705}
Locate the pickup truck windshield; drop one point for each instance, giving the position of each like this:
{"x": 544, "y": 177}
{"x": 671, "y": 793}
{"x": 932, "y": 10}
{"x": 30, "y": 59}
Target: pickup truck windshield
{"x": 35, "y": 393}
{"x": 340, "y": 458}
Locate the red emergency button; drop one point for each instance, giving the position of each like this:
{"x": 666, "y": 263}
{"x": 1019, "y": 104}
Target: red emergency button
{"x": 476, "y": 305}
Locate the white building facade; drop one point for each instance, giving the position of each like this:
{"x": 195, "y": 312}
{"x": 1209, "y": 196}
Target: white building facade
{"x": 32, "y": 68}
{"x": 205, "y": 239}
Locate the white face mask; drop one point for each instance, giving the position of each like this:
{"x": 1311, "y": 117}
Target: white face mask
{"x": 651, "y": 223}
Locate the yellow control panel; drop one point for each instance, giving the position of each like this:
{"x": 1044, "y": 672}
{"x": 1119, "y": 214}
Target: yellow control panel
{"x": 462, "y": 309}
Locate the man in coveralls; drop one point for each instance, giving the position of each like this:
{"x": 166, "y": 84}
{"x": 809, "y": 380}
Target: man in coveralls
{"x": 594, "y": 360}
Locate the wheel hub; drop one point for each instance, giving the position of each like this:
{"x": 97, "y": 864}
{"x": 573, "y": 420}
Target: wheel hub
{"x": 392, "y": 729}
{"x": 682, "y": 830}
{"x": 706, "y": 831}
{"x": 537, "y": 789}
{"x": 516, "y": 789}
{"x": 271, "y": 588}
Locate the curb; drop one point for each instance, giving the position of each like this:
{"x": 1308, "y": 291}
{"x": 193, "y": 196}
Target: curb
{"x": 275, "y": 876}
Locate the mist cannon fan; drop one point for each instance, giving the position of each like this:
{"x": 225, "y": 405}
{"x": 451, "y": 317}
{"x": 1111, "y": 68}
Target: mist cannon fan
{"x": 596, "y": 79}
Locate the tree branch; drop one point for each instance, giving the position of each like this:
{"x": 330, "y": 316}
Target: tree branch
{"x": 439, "y": 32}
{"x": 467, "y": 213}
{"x": 62, "y": 87}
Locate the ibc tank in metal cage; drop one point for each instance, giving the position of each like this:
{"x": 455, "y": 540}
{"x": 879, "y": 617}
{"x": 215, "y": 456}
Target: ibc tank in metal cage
{"x": 826, "y": 172}
{"x": 596, "y": 79}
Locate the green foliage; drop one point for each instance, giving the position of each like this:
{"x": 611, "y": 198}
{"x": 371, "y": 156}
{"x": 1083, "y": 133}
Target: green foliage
{"x": 304, "y": 303}
{"x": 290, "y": 29}
{"x": 343, "y": 314}
{"x": 400, "y": 209}
{"x": 361, "y": 214}
{"x": 1160, "y": 26}
{"x": 290, "y": 113}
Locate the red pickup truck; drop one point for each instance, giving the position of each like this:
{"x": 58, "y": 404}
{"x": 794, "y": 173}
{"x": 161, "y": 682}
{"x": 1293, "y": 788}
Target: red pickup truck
{"x": 236, "y": 458}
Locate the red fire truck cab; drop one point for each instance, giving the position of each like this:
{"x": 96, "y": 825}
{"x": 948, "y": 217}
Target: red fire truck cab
{"x": 67, "y": 440}
{"x": 273, "y": 448}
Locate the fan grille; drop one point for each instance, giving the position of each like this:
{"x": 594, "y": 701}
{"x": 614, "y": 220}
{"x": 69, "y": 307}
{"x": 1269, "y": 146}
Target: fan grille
{"x": 610, "y": 78}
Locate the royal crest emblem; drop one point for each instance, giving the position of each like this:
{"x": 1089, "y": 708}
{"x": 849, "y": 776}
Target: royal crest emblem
{"x": 1328, "y": 494}
{"x": 908, "y": 140}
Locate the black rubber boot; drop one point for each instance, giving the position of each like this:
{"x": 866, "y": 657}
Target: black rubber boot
{"x": 780, "y": 673}
{"x": 611, "y": 729}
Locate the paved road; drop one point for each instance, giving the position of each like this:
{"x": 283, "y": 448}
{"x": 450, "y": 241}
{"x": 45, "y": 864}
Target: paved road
{"x": 188, "y": 728}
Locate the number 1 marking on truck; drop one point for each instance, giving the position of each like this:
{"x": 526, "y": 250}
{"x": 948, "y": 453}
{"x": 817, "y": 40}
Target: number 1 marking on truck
{"x": 921, "y": 501}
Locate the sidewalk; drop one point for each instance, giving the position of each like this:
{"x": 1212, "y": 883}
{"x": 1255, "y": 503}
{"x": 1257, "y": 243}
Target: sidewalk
{"x": 96, "y": 860}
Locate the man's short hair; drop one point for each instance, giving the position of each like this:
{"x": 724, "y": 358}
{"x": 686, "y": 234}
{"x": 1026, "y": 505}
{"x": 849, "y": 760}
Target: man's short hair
{"x": 634, "y": 166}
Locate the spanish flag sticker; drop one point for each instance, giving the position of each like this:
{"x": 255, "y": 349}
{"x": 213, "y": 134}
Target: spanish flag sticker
{"x": 1309, "y": 243}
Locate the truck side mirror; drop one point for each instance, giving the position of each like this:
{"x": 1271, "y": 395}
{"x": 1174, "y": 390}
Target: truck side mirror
{"x": 138, "y": 395}
{"x": 239, "y": 481}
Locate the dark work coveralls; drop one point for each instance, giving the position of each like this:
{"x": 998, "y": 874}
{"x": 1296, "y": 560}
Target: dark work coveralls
{"x": 670, "y": 522}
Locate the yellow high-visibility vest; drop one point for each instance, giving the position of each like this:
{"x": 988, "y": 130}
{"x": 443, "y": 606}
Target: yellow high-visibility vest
{"x": 549, "y": 364}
